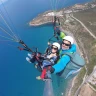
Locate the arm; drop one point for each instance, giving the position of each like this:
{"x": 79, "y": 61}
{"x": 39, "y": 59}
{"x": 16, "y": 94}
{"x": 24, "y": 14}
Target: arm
{"x": 61, "y": 64}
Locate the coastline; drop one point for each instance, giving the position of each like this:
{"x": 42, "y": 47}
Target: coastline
{"x": 68, "y": 27}
{"x": 41, "y": 19}
{"x": 48, "y": 16}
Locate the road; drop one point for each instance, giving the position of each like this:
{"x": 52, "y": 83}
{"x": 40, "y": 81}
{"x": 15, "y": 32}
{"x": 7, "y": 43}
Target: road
{"x": 83, "y": 26}
{"x": 85, "y": 80}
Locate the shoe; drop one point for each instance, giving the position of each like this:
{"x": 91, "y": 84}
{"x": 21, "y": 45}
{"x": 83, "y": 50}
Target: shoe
{"x": 29, "y": 55}
{"x": 36, "y": 65}
{"x": 38, "y": 78}
{"x": 28, "y": 59}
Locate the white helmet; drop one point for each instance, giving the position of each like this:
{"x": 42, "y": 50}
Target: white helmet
{"x": 69, "y": 38}
{"x": 56, "y": 44}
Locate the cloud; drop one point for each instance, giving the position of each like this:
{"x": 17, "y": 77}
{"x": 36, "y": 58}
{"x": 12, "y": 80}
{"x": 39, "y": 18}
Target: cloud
{"x": 2, "y": 1}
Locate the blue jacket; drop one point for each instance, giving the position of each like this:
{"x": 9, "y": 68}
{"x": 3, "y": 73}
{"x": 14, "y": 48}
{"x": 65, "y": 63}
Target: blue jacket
{"x": 64, "y": 59}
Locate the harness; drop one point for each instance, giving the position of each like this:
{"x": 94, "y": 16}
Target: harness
{"x": 75, "y": 64}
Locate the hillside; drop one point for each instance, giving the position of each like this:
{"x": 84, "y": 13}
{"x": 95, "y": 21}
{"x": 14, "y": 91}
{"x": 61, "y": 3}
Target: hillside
{"x": 80, "y": 20}
{"x": 87, "y": 44}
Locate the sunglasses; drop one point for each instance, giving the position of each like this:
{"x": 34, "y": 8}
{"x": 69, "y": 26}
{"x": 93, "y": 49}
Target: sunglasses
{"x": 54, "y": 48}
{"x": 65, "y": 44}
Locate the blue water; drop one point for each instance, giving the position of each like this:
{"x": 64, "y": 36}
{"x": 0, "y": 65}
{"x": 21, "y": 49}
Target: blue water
{"x": 17, "y": 76}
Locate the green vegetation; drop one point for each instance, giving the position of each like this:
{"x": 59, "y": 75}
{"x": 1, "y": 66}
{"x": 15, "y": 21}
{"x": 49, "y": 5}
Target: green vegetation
{"x": 94, "y": 86}
{"x": 94, "y": 42}
{"x": 91, "y": 65}
{"x": 79, "y": 80}
{"x": 92, "y": 62}
{"x": 87, "y": 43}
{"x": 85, "y": 15}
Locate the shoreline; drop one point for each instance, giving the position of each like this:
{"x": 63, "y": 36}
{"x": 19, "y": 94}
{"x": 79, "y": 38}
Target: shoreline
{"x": 48, "y": 16}
{"x": 67, "y": 27}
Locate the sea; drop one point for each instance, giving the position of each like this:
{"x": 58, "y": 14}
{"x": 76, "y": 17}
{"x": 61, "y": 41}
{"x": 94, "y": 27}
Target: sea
{"x": 17, "y": 76}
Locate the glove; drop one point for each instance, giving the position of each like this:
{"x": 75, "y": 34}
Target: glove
{"x": 51, "y": 69}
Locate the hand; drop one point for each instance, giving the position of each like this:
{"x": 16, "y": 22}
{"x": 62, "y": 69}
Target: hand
{"x": 51, "y": 69}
